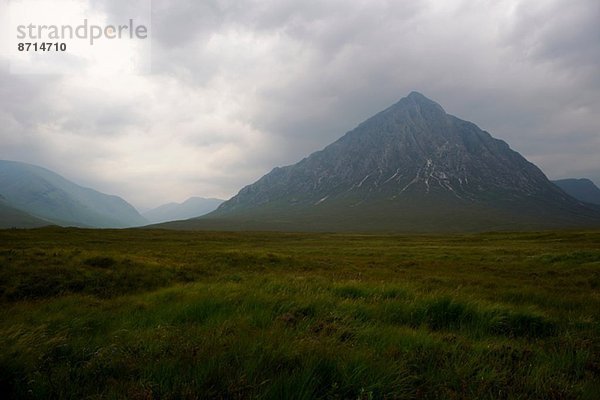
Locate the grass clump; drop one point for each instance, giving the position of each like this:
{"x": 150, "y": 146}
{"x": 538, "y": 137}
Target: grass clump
{"x": 351, "y": 292}
{"x": 520, "y": 324}
{"x": 100, "y": 262}
{"x": 445, "y": 313}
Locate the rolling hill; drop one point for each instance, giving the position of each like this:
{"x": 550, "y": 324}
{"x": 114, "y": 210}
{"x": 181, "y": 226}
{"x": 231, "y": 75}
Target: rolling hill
{"x": 46, "y": 195}
{"x": 581, "y": 189}
{"x": 11, "y": 217}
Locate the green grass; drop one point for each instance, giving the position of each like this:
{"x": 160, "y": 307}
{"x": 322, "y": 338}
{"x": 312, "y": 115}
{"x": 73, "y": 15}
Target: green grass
{"x": 140, "y": 314}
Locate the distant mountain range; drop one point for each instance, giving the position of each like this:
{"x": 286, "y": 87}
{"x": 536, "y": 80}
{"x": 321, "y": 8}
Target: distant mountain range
{"x": 33, "y": 196}
{"x": 412, "y": 167}
{"x": 192, "y": 207}
{"x": 581, "y": 189}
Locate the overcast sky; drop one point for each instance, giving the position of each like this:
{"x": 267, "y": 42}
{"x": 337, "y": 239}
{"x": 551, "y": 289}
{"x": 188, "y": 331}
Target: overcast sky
{"x": 239, "y": 87}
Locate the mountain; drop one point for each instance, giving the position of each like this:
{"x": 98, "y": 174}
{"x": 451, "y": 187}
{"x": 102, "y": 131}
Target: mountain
{"x": 410, "y": 168}
{"x": 581, "y": 189}
{"x": 11, "y": 217}
{"x": 47, "y": 195}
{"x": 192, "y": 207}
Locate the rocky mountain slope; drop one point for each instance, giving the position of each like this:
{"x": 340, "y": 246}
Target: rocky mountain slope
{"x": 412, "y": 167}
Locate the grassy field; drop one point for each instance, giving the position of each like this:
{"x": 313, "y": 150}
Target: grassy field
{"x": 183, "y": 315}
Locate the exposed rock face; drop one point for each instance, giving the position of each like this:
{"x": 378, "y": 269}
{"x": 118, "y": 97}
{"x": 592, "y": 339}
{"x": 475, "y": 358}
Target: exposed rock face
{"x": 413, "y": 146}
{"x": 409, "y": 164}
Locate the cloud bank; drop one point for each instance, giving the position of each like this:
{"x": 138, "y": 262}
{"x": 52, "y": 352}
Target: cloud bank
{"x": 238, "y": 87}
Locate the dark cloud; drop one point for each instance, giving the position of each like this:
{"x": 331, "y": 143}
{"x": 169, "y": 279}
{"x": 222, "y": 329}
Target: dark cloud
{"x": 567, "y": 33}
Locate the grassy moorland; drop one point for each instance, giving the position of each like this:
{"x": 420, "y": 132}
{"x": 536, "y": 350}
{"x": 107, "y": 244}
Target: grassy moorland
{"x": 182, "y": 315}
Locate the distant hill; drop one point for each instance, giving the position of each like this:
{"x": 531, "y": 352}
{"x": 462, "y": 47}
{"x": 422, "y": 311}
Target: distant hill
{"x": 581, "y": 189}
{"x": 11, "y": 217}
{"x": 410, "y": 168}
{"x": 192, "y": 207}
{"x": 46, "y": 195}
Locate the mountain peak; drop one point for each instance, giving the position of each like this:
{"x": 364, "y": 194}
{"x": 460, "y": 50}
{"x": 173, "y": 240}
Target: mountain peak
{"x": 418, "y": 99}
{"x": 409, "y": 167}
{"x": 414, "y": 106}
{"x": 417, "y": 96}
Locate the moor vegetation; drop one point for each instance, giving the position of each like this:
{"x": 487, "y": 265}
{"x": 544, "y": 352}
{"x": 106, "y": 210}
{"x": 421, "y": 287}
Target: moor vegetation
{"x": 142, "y": 314}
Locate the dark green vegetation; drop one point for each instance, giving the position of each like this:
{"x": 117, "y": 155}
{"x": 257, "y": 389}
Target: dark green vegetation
{"x": 176, "y": 315}
{"x": 423, "y": 214}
